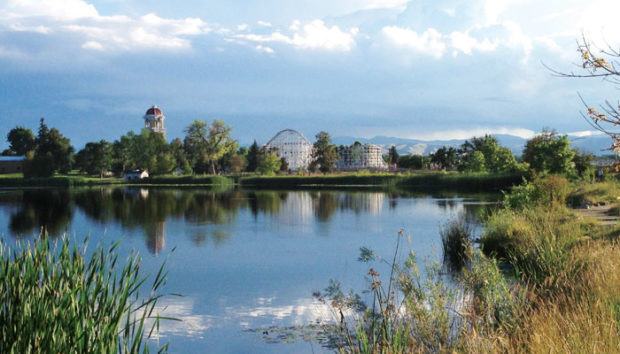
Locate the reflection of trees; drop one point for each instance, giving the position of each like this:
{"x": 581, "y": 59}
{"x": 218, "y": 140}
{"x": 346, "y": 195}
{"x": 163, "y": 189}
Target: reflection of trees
{"x": 324, "y": 204}
{"x": 267, "y": 202}
{"x": 148, "y": 209}
{"x": 218, "y": 237}
{"x": 50, "y": 210}
{"x": 216, "y": 208}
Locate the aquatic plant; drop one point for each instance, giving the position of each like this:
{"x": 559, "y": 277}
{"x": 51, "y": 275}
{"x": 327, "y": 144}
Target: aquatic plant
{"x": 456, "y": 241}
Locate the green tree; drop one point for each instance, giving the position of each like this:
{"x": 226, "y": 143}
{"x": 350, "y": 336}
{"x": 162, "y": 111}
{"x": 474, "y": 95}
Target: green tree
{"x": 496, "y": 158}
{"x": 121, "y": 159}
{"x": 53, "y": 153}
{"x": 147, "y": 150}
{"x": 268, "y": 163}
{"x": 178, "y": 152}
{"x": 95, "y": 158}
{"x": 474, "y": 162}
{"x": 583, "y": 165}
{"x": 393, "y": 155}
{"x": 237, "y": 163}
{"x": 283, "y": 165}
{"x": 414, "y": 162}
{"x": 21, "y": 141}
{"x": 549, "y": 152}
{"x": 252, "y": 157}
{"x": 445, "y": 157}
{"x": 324, "y": 154}
{"x": 206, "y": 144}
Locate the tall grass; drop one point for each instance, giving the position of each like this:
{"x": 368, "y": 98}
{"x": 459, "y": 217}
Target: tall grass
{"x": 456, "y": 241}
{"x": 410, "y": 312}
{"x": 56, "y": 300}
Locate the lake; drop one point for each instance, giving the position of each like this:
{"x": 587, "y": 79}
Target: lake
{"x": 245, "y": 261}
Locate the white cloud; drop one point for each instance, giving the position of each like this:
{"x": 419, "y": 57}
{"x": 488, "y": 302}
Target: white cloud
{"x": 242, "y": 27}
{"x": 100, "y": 32}
{"x": 464, "y": 43}
{"x": 16, "y": 27}
{"x": 383, "y": 4}
{"x": 461, "y": 134}
{"x": 57, "y": 9}
{"x": 314, "y": 35}
{"x": 585, "y": 133}
{"x": 430, "y": 42}
{"x": 265, "y": 49}
{"x": 92, "y": 45}
{"x": 264, "y": 23}
{"x": 295, "y": 25}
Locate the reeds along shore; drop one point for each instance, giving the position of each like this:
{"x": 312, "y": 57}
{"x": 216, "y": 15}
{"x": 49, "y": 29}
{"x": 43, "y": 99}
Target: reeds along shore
{"x": 55, "y": 299}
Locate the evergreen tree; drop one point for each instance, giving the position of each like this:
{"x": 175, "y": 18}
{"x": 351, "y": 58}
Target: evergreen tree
{"x": 252, "y": 157}
{"x": 393, "y": 155}
{"x": 53, "y": 153}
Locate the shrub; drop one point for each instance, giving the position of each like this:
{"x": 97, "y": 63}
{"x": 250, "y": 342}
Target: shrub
{"x": 550, "y": 191}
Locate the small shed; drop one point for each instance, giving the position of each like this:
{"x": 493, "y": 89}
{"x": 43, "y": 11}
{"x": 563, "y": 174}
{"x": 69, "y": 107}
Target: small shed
{"x": 12, "y": 164}
{"x": 135, "y": 175}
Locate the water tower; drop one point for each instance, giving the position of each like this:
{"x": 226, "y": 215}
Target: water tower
{"x": 154, "y": 120}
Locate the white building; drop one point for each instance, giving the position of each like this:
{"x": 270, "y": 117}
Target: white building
{"x": 293, "y": 147}
{"x": 135, "y": 175}
{"x": 358, "y": 156}
{"x": 154, "y": 120}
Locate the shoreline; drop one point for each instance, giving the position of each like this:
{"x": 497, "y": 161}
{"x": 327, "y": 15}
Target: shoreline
{"x": 480, "y": 182}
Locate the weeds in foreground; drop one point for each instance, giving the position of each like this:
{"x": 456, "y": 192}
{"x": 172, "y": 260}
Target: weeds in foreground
{"x": 410, "y": 312}
{"x": 55, "y": 300}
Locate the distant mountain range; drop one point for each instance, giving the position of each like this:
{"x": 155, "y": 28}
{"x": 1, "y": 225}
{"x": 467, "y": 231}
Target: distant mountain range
{"x": 597, "y": 144}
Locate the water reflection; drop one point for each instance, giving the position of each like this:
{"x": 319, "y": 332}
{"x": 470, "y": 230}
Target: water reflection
{"x": 150, "y": 210}
{"x": 48, "y": 211}
{"x": 244, "y": 260}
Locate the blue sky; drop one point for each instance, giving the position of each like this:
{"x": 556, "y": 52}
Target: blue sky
{"x": 409, "y": 69}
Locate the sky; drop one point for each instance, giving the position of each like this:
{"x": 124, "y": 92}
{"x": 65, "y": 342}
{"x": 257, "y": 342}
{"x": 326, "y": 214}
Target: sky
{"x": 442, "y": 69}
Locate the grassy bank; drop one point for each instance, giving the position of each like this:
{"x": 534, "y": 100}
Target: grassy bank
{"x": 57, "y": 181}
{"x": 80, "y": 181}
{"x": 56, "y": 300}
{"x": 425, "y": 181}
{"x": 468, "y": 182}
{"x": 559, "y": 292}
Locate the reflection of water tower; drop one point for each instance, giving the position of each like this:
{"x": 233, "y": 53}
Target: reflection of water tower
{"x": 156, "y": 237}
{"x": 154, "y": 120}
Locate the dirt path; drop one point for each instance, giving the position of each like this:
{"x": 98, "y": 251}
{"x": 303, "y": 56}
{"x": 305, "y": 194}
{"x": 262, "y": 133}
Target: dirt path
{"x": 600, "y": 212}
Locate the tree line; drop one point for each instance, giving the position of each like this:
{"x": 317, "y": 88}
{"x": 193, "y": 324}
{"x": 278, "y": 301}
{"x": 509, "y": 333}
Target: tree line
{"x": 209, "y": 148}
{"x": 547, "y": 152}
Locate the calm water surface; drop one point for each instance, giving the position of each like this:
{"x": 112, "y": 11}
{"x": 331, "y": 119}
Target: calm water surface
{"x": 243, "y": 260}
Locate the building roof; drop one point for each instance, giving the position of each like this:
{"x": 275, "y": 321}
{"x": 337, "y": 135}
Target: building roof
{"x": 12, "y": 158}
{"x": 154, "y": 111}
